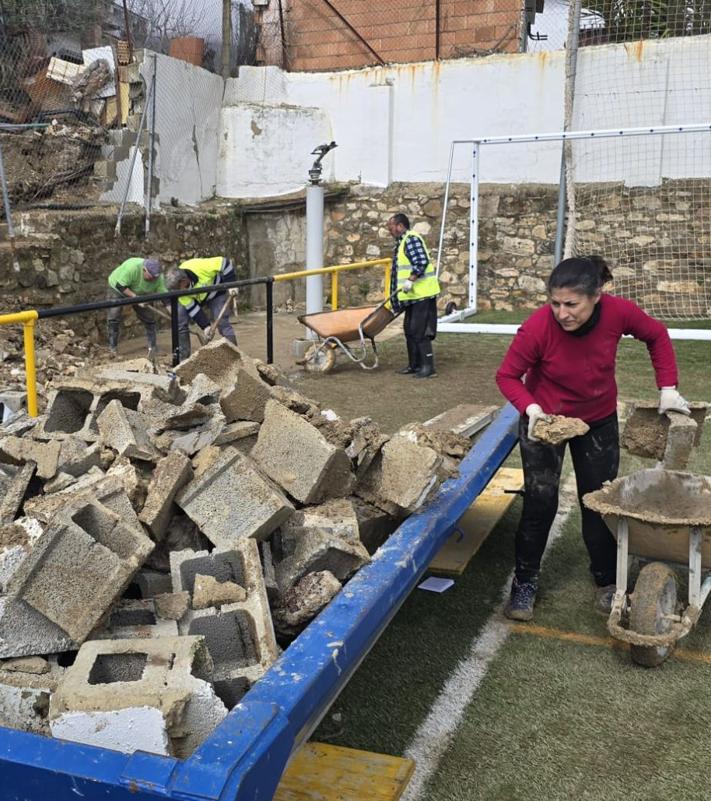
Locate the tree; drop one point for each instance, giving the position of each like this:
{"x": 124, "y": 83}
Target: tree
{"x": 166, "y": 20}
{"x": 47, "y": 16}
{"x": 626, "y": 20}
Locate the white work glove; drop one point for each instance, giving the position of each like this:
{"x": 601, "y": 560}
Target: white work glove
{"x": 534, "y": 414}
{"x": 407, "y": 285}
{"x": 671, "y": 401}
{"x": 207, "y": 333}
{"x": 234, "y": 292}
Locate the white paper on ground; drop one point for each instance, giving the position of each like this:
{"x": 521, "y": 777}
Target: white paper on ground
{"x": 434, "y": 584}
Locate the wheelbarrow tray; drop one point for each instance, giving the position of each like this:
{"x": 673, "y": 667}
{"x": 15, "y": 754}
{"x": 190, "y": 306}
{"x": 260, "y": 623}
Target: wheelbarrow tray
{"x": 660, "y": 506}
{"x": 344, "y": 323}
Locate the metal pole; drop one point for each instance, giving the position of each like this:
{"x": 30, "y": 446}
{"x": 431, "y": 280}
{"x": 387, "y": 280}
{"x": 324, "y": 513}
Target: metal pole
{"x": 314, "y": 251}
{"x": 444, "y": 209}
{"x": 571, "y": 66}
{"x": 174, "y": 335}
{"x": 270, "y": 321}
{"x": 560, "y": 215}
{"x": 141, "y": 125}
{"x": 523, "y": 34}
{"x": 151, "y": 146}
{"x": 8, "y": 215}
{"x": 474, "y": 229}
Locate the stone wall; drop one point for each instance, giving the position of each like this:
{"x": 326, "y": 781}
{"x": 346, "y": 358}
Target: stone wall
{"x": 66, "y": 256}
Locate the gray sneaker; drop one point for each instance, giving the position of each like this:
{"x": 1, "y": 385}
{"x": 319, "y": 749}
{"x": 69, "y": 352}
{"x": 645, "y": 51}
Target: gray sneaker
{"x": 603, "y": 599}
{"x": 522, "y": 600}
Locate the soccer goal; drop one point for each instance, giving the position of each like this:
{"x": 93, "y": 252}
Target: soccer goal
{"x": 639, "y": 197}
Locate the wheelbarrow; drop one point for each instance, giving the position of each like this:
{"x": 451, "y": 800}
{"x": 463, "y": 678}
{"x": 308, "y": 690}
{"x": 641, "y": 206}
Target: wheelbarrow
{"x": 664, "y": 516}
{"x": 346, "y": 330}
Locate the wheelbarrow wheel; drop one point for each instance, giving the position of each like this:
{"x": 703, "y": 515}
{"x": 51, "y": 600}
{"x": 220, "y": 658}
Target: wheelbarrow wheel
{"x": 652, "y": 604}
{"x": 319, "y": 359}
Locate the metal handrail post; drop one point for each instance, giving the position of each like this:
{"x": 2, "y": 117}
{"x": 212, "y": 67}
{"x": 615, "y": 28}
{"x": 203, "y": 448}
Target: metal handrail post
{"x": 8, "y": 214}
{"x": 270, "y": 320}
{"x": 28, "y": 332}
{"x": 444, "y": 208}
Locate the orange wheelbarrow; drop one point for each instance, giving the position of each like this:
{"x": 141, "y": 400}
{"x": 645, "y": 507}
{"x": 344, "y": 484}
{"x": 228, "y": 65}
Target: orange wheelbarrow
{"x": 347, "y": 331}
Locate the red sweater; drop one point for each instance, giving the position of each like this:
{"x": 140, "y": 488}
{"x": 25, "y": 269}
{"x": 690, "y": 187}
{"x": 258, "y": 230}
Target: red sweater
{"x": 575, "y": 375}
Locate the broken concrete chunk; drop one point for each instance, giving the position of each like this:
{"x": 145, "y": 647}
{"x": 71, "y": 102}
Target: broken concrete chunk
{"x": 172, "y": 605}
{"x": 125, "y": 431}
{"x": 14, "y": 482}
{"x": 556, "y": 428}
{"x": 298, "y": 457}
{"x": 231, "y": 500}
{"x": 200, "y": 437}
{"x": 166, "y": 674}
{"x": 76, "y": 458}
{"x": 203, "y": 390}
{"x": 374, "y": 525}
{"x": 208, "y": 591}
{"x": 28, "y": 664}
{"x": 336, "y": 516}
{"x": 16, "y": 541}
{"x": 171, "y": 474}
{"x": 18, "y": 450}
{"x": 306, "y": 599}
{"x": 162, "y": 387}
{"x": 466, "y": 419}
{"x": 402, "y": 477}
{"x": 235, "y": 433}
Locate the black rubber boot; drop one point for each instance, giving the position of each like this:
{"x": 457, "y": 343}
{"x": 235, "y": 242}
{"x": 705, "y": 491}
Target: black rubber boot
{"x": 427, "y": 370}
{"x": 413, "y": 358}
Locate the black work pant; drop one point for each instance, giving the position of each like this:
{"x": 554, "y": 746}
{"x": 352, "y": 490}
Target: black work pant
{"x": 596, "y": 458}
{"x": 421, "y": 320}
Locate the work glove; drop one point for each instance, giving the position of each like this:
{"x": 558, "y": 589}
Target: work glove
{"x": 207, "y": 333}
{"x": 407, "y": 285}
{"x": 233, "y": 293}
{"x": 534, "y": 413}
{"x": 671, "y": 401}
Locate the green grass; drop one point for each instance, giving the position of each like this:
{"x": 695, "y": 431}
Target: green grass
{"x": 552, "y": 720}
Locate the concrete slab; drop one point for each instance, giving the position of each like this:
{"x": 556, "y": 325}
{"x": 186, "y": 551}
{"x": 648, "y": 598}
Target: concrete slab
{"x": 171, "y": 474}
{"x": 296, "y": 455}
{"x": 167, "y": 674}
{"x": 232, "y": 500}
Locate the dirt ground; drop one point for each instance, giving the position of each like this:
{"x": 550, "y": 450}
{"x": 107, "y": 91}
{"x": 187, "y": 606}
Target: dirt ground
{"x": 465, "y": 365}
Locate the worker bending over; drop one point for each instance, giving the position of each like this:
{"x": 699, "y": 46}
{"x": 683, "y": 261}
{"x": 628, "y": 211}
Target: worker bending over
{"x": 413, "y": 276}
{"x": 131, "y": 278}
{"x": 562, "y": 361}
{"x": 207, "y": 275}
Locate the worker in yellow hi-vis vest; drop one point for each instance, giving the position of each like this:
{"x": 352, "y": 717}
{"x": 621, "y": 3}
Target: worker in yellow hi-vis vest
{"x": 414, "y": 278}
{"x": 205, "y": 275}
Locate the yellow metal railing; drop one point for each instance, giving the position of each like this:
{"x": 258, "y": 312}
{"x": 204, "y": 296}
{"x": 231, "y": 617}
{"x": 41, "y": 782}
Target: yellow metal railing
{"x": 334, "y": 271}
{"x": 27, "y": 318}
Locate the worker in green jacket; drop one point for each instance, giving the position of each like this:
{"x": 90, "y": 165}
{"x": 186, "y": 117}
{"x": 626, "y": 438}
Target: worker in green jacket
{"x": 206, "y": 275}
{"x": 133, "y": 277}
{"x": 414, "y": 284}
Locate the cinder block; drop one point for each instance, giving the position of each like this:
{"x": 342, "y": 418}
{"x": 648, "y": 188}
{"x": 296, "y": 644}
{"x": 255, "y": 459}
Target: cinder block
{"x": 402, "y": 477}
{"x": 298, "y": 457}
{"x": 77, "y": 569}
{"x": 243, "y": 392}
{"x": 161, "y": 387}
{"x": 239, "y": 636}
{"x": 76, "y": 459}
{"x": 151, "y": 583}
{"x": 171, "y": 474}
{"x": 135, "y": 618}
{"x": 25, "y": 694}
{"x": 16, "y": 541}
{"x": 14, "y": 482}
{"x": 167, "y": 674}
{"x": 125, "y": 431}
{"x": 20, "y": 450}
{"x": 231, "y": 500}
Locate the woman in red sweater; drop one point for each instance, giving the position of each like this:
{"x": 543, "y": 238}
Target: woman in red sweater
{"x": 562, "y": 361}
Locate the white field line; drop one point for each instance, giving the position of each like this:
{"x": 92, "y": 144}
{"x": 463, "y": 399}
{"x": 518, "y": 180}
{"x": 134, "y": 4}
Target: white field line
{"x": 436, "y": 731}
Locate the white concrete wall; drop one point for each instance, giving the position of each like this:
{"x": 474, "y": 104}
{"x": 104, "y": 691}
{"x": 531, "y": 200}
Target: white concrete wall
{"x": 188, "y": 106}
{"x": 396, "y": 123}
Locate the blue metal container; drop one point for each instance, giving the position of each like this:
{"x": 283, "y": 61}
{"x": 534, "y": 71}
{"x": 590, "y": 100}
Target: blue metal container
{"x": 245, "y": 756}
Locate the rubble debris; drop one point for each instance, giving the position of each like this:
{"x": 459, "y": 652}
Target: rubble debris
{"x": 556, "y": 428}
{"x": 143, "y": 517}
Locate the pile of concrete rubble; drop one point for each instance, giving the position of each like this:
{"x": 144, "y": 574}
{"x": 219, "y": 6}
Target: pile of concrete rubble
{"x": 158, "y": 528}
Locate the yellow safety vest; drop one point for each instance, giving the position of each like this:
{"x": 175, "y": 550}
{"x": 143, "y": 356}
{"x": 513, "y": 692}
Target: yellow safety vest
{"x": 425, "y": 287}
{"x": 208, "y": 273}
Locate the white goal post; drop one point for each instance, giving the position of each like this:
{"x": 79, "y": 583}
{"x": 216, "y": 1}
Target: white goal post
{"x": 453, "y": 323}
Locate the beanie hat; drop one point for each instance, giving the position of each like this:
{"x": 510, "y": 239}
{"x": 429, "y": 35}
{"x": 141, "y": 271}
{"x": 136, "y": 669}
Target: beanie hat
{"x": 152, "y": 267}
